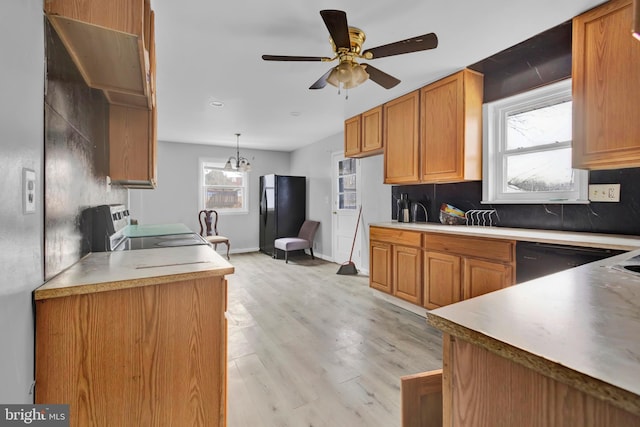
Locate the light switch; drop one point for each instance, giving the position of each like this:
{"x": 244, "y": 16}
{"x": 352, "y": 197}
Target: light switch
{"x": 28, "y": 191}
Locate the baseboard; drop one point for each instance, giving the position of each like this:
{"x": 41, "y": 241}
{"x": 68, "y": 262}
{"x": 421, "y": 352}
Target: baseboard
{"x": 415, "y": 309}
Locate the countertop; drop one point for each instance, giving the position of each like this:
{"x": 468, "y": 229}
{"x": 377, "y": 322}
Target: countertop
{"x": 583, "y": 239}
{"x": 106, "y": 271}
{"x": 146, "y": 230}
{"x": 580, "y": 326}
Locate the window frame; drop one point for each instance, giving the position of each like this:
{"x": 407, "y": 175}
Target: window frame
{"x": 219, "y": 164}
{"x": 495, "y": 152}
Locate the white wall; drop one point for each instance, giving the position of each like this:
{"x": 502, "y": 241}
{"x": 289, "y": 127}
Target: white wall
{"x": 175, "y": 200}
{"x": 21, "y": 146}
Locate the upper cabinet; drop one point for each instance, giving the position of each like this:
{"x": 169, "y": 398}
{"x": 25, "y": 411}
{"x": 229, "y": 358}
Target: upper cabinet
{"x": 606, "y": 88}
{"x": 451, "y": 129}
{"x": 363, "y": 134}
{"x": 110, "y": 43}
{"x": 401, "y": 139}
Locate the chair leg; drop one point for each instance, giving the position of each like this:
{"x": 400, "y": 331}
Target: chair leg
{"x": 228, "y": 247}
{"x": 311, "y": 250}
{"x": 286, "y": 257}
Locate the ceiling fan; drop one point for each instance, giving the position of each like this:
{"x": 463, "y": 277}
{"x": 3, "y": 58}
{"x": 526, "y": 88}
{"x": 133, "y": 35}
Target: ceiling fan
{"x": 347, "y": 45}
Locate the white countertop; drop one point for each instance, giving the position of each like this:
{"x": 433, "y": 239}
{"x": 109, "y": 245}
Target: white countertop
{"x": 105, "y": 271}
{"x": 585, "y": 321}
{"x": 594, "y": 240}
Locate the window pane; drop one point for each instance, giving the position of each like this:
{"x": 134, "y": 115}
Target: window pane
{"x": 223, "y": 198}
{"x": 541, "y": 126}
{"x": 347, "y": 200}
{"x": 347, "y": 166}
{"x": 540, "y": 171}
{"x": 222, "y": 177}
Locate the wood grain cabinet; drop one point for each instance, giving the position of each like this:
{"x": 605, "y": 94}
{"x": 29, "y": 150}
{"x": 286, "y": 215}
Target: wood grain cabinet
{"x": 395, "y": 258}
{"x": 380, "y": 257}
{"x": 442, "y": 279}
{"x": 461, "y": 267}
{"x": 113, "y": 45}
{"x": 110, "y": 43}
{"x": 436, "y": 269}
{"x": 143, "y": 356}
{"x": 451, "y": 128}
{"x": 606, "y": 88}
{"x": 363, "y": 134}
{"x": 132, "y": 146}
{"x": 407, "y": 273}
{"x": 401, "y": 139}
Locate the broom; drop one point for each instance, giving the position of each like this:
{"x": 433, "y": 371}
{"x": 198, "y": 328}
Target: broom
{"x": 349, "y": 267}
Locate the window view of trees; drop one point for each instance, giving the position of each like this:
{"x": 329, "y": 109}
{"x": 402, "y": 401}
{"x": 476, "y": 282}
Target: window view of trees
{"x": 224, "y": 189}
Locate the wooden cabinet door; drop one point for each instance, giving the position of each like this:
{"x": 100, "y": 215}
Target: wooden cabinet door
{"x": 481, "y": 277}
{"x": 407, "y": 277}
{"x": 352, "y": 136}
{"x": 372, "y": 131}
{"x": 606, "y": 89}
{"x": 442, "y": 279}
{"x": 132, "y": 146}
{"x": 451, "y": 132}
{"x": 380, "y": 267}
{"x": 401, "y": 139}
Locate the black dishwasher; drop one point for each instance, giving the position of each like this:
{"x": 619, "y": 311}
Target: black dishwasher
{"x": 535, "y": 259}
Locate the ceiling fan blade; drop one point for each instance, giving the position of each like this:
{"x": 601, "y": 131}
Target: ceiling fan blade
{"x": 383, "y": 79}
{"x": 336, "y": 22}
{"x": 414, "y": 44}
{"x": 294, "y": 58}
{"x": 322, "y": 81}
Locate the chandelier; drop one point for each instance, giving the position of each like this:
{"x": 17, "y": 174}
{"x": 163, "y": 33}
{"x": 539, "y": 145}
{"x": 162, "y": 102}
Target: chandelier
{"x": 240, "y": 163}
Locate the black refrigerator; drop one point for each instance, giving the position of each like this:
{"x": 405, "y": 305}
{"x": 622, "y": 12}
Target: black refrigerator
{"x": 283, "y": 208}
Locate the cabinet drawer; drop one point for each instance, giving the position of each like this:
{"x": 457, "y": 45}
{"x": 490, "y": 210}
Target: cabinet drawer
{"x": 396, "y": 236}
{"x": 493, "y": 249}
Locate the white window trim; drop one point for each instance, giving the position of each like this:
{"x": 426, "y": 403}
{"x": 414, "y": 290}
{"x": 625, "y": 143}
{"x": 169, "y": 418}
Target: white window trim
{"x": 494, "y": 143}
{"x": 220, "y": 163}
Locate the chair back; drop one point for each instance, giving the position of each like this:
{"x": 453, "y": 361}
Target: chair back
{"x": 208, "y": 219}
{"x": 308, "y": 230}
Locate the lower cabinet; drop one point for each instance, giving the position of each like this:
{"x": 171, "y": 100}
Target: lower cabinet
{"x": 436, "y": 269}
{"x": 442, "y": 278}
{"x": 380, "y": 270}
{"x": 481, "y": 277}
{"x": 407, "y": 273}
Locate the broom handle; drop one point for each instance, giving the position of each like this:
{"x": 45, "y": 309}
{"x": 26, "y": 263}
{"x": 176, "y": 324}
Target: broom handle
{"x": 356, "y": 234}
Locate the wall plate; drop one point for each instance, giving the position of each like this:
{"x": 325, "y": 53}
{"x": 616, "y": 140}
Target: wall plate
{"x": 28, "y": 191}
{"x": 604, "y": 192}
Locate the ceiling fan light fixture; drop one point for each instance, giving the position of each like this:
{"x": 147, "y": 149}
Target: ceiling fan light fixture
{"x": 348, "y": 74}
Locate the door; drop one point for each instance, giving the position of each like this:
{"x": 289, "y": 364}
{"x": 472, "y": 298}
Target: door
{"x": 380, "y": 270}
{"x": 442, "y": 284}
{"x": 407, "y": 273}
{"x": 346, "y": 202}
{"x": 481, "y": 277}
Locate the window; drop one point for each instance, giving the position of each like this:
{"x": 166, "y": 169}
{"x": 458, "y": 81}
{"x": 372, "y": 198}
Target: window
{"x": 527, "y": 146}
{"x": 347, "y": 184}
{"x": 223, "y": 190}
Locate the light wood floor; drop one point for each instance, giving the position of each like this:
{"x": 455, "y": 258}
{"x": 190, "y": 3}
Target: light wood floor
{"x": 309, "y": 347}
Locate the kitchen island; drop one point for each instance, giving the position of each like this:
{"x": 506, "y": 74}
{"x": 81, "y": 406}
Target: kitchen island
{"x": 135, "y": 338}
{"x": 562, "y": 350}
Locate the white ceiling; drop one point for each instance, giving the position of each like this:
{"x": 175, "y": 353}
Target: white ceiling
{"x": 209, "y": 50}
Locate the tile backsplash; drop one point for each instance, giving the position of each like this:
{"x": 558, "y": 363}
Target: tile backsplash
{"x": 596, "y": 217}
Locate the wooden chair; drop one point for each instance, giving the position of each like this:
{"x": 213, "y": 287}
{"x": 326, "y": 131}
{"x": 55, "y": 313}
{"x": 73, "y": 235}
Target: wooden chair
{"x": 211, "y": 232}
{"x": 303, "y": 241}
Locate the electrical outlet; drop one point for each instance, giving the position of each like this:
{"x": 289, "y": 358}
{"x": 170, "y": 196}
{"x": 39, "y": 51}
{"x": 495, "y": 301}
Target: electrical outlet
{"x": 28, "y": 191}
{"x": 604, "y": 192}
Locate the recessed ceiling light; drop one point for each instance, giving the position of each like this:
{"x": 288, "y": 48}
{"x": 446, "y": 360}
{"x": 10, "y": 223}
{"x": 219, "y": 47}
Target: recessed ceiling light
{"x": 217, "y": 104}
{"x": 295, "y": 113}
